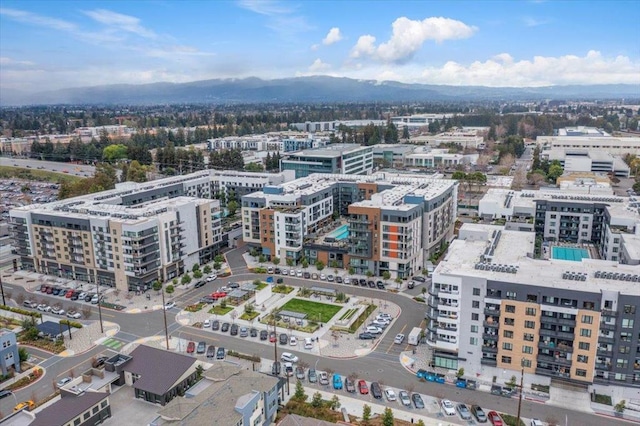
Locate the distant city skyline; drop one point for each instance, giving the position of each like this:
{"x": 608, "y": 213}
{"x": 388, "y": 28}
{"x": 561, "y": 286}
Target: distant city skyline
{"x": 48, "y": 45}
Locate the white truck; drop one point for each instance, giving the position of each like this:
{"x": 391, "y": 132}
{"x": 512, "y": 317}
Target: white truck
{"x": 414, "y": 336}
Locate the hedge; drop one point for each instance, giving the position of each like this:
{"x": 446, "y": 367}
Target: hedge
{"x": 71, "y": 323}
{"x": 21, "y": 311}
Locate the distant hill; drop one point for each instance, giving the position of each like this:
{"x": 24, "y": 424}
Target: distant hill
{"x": 305, "y": 89}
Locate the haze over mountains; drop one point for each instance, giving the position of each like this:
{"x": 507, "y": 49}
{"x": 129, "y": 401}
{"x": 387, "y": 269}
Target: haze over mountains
{"x": 316, "y": 89}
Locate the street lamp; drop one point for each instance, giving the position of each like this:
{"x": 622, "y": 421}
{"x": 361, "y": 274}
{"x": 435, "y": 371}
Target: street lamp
{"x": 521, "y": 387}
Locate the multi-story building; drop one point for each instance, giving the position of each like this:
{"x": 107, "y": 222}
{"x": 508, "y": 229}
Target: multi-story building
{"x": 9, "y": 355}
{"x": 333, "y": 159}
{"x": 332, "y": 126}
{"x": 584, "y": 160}
{"x": 387, "y": 222}
{"x": 437, "y": 158}
{"x": 274, "y": 141}
{"x": 590, "y": 139}
{"x": 583, "y": 212}
{"x": 466, "y": 138}
{"x": 234, "y": 184}
{"x": 493, "y": 308}
{"x": 419, "y": 120}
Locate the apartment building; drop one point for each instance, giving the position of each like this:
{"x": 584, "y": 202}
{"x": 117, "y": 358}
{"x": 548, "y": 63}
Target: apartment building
{"x": 274, "y": 141}
{"x": 591, "y": 139}
{"x": 419, "y": 120}
{"x": 493, "y": 309}
{"x": 610, "y": 223}
{"x": 385, "y": 222}
{"x": 333, "y": 159}
{"x": 9, "y": 355}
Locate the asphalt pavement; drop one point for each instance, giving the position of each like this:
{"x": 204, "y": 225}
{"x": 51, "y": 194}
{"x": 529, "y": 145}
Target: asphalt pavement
{"x": 52, "y": 166}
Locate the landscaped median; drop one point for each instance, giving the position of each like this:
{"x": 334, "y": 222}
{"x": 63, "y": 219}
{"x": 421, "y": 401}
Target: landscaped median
{"x": 28, "y": 379}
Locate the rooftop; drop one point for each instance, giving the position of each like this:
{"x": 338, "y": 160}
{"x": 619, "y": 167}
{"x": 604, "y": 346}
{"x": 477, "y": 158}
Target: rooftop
{"x": 68, "y": 408}
{"x": 331, "y": 151}
{"x": 513, "y": 248}
{"x": 147, "y": 361}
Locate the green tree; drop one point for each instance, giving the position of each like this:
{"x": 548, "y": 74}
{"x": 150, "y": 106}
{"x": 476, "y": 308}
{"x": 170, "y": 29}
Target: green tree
{"x": 460, "y": 372}
{"x": 275, "y": 260}
{"x": 366, "y": 413}
{"x": 289, "y": 261}
{"x": 305, "y": 263}
{"x": 207, "y": 269}
{"x": 197, "y": 274}
{"x": 186, "y": 279}
{"x": 219, "y": 258}
{"x": 114, "y": 152}
{"x": 217, "y": 266}
{"x": 136, "y": 172}
{"x": 386, "y": 275}
{"x": 421, "y": 422}
{"x": 387, "y": 417}
{"x": 23, "y": 354}
{"x": 316, "y": 400}
{"x": 254, "y": 167}
{"x": 199, "y": 371}
{"x": 405, "y": 132}
{"x": 636, "y": 187}
{"x": 459, "y": 175}
{"x": 157, "y": 285}
{"x": 170, "y": 289}
{"x": 232, "y": 207}
{"x": 195, "y": 267}
{"x": 334, "y": 404}
{"x": 262, "y": 258}
{"x": 369, "y": 274}
{"x": 319, "y": 265}
{"x": 555, "y": 171}
{"x": 352, "y": 270}
{"x": 299, "y": 394}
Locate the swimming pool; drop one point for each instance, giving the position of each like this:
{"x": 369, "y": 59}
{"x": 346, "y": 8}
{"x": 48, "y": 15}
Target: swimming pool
{"x": 569, "y": 253}
{"x": 340, "y": 233}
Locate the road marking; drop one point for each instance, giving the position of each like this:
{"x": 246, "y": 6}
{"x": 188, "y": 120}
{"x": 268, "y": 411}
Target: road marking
{"x": 393, "y": 343}
{"x": 112, "y": 343}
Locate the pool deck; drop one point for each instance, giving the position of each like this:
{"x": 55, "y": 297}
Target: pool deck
{"x": 592, "y": 251}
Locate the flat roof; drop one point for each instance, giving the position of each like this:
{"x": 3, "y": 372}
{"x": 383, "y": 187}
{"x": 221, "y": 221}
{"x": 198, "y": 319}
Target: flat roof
{"x": 331, "y": 151}
{"x": 514, "y": 248}
{"x": 68, "y": 408}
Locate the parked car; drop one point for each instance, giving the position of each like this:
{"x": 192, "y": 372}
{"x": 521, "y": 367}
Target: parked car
{"x": 536, "y": 422}
{"x": 404, "y": 398}
{"x": 293, "y": 341}
{"x": 273, "y": 337}
{"x": 44, "y": 308}
{"x": 479, "y": 414}
{"x": 417, "y": 400}
{"x": 299, "y": 373}
{"x": 202, "y": 346}
{"x": 191, "y": 347}
{"x": 306, "y": 275}
{"x": 299, "y": 273}
{"x": 323, "y": 277}
{"x": 75, "y": 295}
{"x": 337, "y": 381}
{"x": 220, "y": 353}
{"x": 68, "y": 294}
{"x": 218, "y": 295}
{"x": 372, "y": 329}
{"x": 292, "y": 273}
{"x": 285, "y": 272}
{"x": 74, "y": 315}
{"x": 283, "y": 338}
{"x": 60, "y": 383}
{"x": 233, "y": 285}
{"x": 29, "y": 304}
{"x": 314, "y": 276}
{"x": 371, "y": 284}
{"x": 288, "y": 369}
{"x": 347, "y": 280}
{"x": 338, "y": 279}
{"x": 362, "y": 282}
{"x": 313, "y": 376}
{"x": 199, "y": 283}
{"x": 234, "y": 330}
{"x": 411, "y": 285}
{"x": 277, "y": 271}
{"x": 380, "y": 285}
{"x": 57, "y": 311}
{"x": 276, "y": 368}
{"x": 376, "y": 390}
{"x": 323, "y": 378}
{"x": 390, "y": 394}
{"x": 366, "y": 336}
{"x": 225, "y": 327}
{"x": 244, "y": 332}
{"x": 99, "y": 362}
{"x": 419, "y": 279}
{"x": 215, "y": 325}
{"x": 448, "y": 408}
{"x": 308, "y": 343}
{"x": 495, "y": 419}
{"x": 253, "y": 332}
{"x": 464, "y": 412}
{"x": 264, "y": 335}
{"x": 289, "y": 357}
{"x": 211, "y": 351}
{"x": 89, "y": 296}
{"x": 206, "y": 323}
{"x": 398, "y": 339}
{"x": 279, "y": 281}
{"x": 25, "y": 405}
{"x": 349, "y": 385}
{"x": 212, "y": 277}
{"x": 379, "y": 323}
{"x": 330, "y": 278}
{"x": 362, "y": 387}
{"x": 96, "y": 298}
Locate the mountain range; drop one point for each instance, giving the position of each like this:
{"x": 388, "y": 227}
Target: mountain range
{"x": 316, "y": 89}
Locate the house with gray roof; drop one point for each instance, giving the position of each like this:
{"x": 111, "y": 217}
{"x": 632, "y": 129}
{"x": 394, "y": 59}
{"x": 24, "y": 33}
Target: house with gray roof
{"x": 84, "y": 409}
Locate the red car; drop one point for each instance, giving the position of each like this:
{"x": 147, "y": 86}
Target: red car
{"x": 44, "y": 288}
{"x": 362, "y": 387}
{"x": 495, "y": 418}
{"x": 272, "y": 337}
{"x": 191, "y": 347}
{"x": 218, "y": 295}
{"x": 69, "y": 294}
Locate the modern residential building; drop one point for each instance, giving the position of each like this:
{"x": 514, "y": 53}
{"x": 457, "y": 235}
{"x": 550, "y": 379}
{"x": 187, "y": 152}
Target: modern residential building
{"x": 465, "y": 138}
{"x": 610, "y": 223}
{"x": 591, "y": 139}
{"x": 236, "y": 396}
{"x": 584, "y": 160}
{"x": 333, "y": 159}
{"x": 234, "y": 184}
{"x": 494, "y": 309}
{"x": 386, "y": 222}
{"x": 9, "y": 355}
{"x": 419, "y": 120}
{"x": 84, "y": 409}
{"x": 274, "y": 141}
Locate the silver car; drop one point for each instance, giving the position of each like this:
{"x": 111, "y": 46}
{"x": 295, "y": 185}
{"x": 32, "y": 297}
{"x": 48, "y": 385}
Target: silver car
{"x": 404, "y": 398}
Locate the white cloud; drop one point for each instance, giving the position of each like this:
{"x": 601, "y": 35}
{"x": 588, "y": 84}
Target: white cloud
{"x": 315, "y": 47}
{"x": 119, "y": 21}
{"x": 333, "y": 36}
{"x": 409, "y": 35}
{"x": 265, "y": 7}
{"x": 502, "y": 70}
{"x": 6, "y": 61}
{"x": 39, "y": 20}
{"x": 280, "y": 17}
{"x": 533, "y": 22}
{"x": 319, "y": 66}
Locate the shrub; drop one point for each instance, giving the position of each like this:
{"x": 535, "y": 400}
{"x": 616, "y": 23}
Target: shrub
{"x": 73, "y": 324}
{"x": 21, "y": 311}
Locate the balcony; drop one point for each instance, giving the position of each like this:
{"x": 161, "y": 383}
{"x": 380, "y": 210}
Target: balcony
{"x": 608, "y": 313}
{"x": 607, "y": 327}
{"x": 491, "y": 324}
{"x": 604, "y": 351}
{"x": 492, "y": 312}
{"x": 489, "y": 361}
{"x": 606, "y": 340}
{"x": 603, "y": 366}
{"x": 490, "y": 336}
{"x": 552, "y": 373}
{"x": 554, "y": 360}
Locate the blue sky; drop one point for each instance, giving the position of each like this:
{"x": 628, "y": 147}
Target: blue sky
{"x": 57, "y": 44}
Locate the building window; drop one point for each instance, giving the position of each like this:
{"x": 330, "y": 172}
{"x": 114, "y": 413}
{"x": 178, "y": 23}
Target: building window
{"x": 625, "y": 349}
{"x": 583, "y": 359}
{"x": 530, "y": 311}
{"x": 620, "y": 376}
{"x": 528, "y": 337}
{"x": 508, "y": 334}
{"x": 474, "y": 328}
{"x": 511, "y": 309}
{"x": 585, "y": 332}
{"x": 509, "y": 321}
{"x": 473, "y": 341}
{"x": 629, "y": 309}
{"x": 475, "y": 304}
{"x": 587, "y": 319}
{"x": 581, "y": 373}
{"x": 627, "y": 323}
{"x": 527, "y": 349}
{"x": 584, "y": 346}
{"x": 511, "y": 295}
{"x": 622, "y": 363}
{"x": 507, "y": 346}
{"x": 506, "y": 359}
{"x": 476, "y": 291}
{"x": 529, "y": 324}
{"x": 475, "y": 317}
{"x": 526, "y": 363}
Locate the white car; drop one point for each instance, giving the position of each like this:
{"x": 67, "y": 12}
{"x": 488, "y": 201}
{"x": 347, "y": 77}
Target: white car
{"x": 323, "y": 277}
{"x": 404, "y": 398}
{"x": 373, "y": 330}
{"x": 448, "y": 407}
{"x": 74, "y": 315}
{"x": 270, "y": 270}
{"x": 82, "y": 295}
{"x": 385, "y": 317}
{"x": 288, "y": 357}
{"x": 292, "y": 273}
{"x": 399, "y": 339}
{"x": 284, "y": 272}
{"x": 379, "y": 324}
{"x": 308, "y": 343}
{"x": 57, "y": 311}
{"x": 293, "y": 341}
{"x": 211, "y": 277}
{"x": 63, "y": 382}
{"x": 170, "y": 305}
{"x": 390, "y": 394}
{"x": 299, "y": 273}
{"x": 536, "y": 422}
{"x": 330, "y": 278}
{"x": 347, "y": 280}
{"x": 206, "y": 324}
{"x": 44, "y": 308}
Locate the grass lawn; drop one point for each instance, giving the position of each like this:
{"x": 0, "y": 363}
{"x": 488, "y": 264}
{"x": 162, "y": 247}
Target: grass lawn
{"x": 219, "y": 310}
{"x": 7, "y": 172}
{"x": 312, "y": 309}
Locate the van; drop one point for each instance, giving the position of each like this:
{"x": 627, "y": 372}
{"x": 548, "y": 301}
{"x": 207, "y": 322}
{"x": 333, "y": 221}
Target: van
{"x": 308, "y": 343}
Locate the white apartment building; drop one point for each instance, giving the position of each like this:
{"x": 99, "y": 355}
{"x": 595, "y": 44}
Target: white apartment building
{"x": 419, "y": 120}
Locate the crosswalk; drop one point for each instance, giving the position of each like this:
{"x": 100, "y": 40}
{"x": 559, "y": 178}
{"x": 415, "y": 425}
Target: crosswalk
{"x": 112, "y": 343}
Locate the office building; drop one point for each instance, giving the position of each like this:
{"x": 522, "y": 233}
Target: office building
{"x": 494, "y": 309}
{"x": 419, "y": 120}
{"x": 590, "y": 139}
{"x": 381, "y": 222}
{"x": 288, "y": 141}
{"x": 9, "y": 355}
{"x": 333, "y": 126}
{"x": 465, "y": 138}
{"x": 333, "y": 159}
{"x": 583, "y": 160}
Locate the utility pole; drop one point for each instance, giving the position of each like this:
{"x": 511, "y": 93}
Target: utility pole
{"x": 164, "y": 314}
{"x": 99, "y": 308}
{"x": 521, "y": 389}
{"x": 2, "y": 290}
